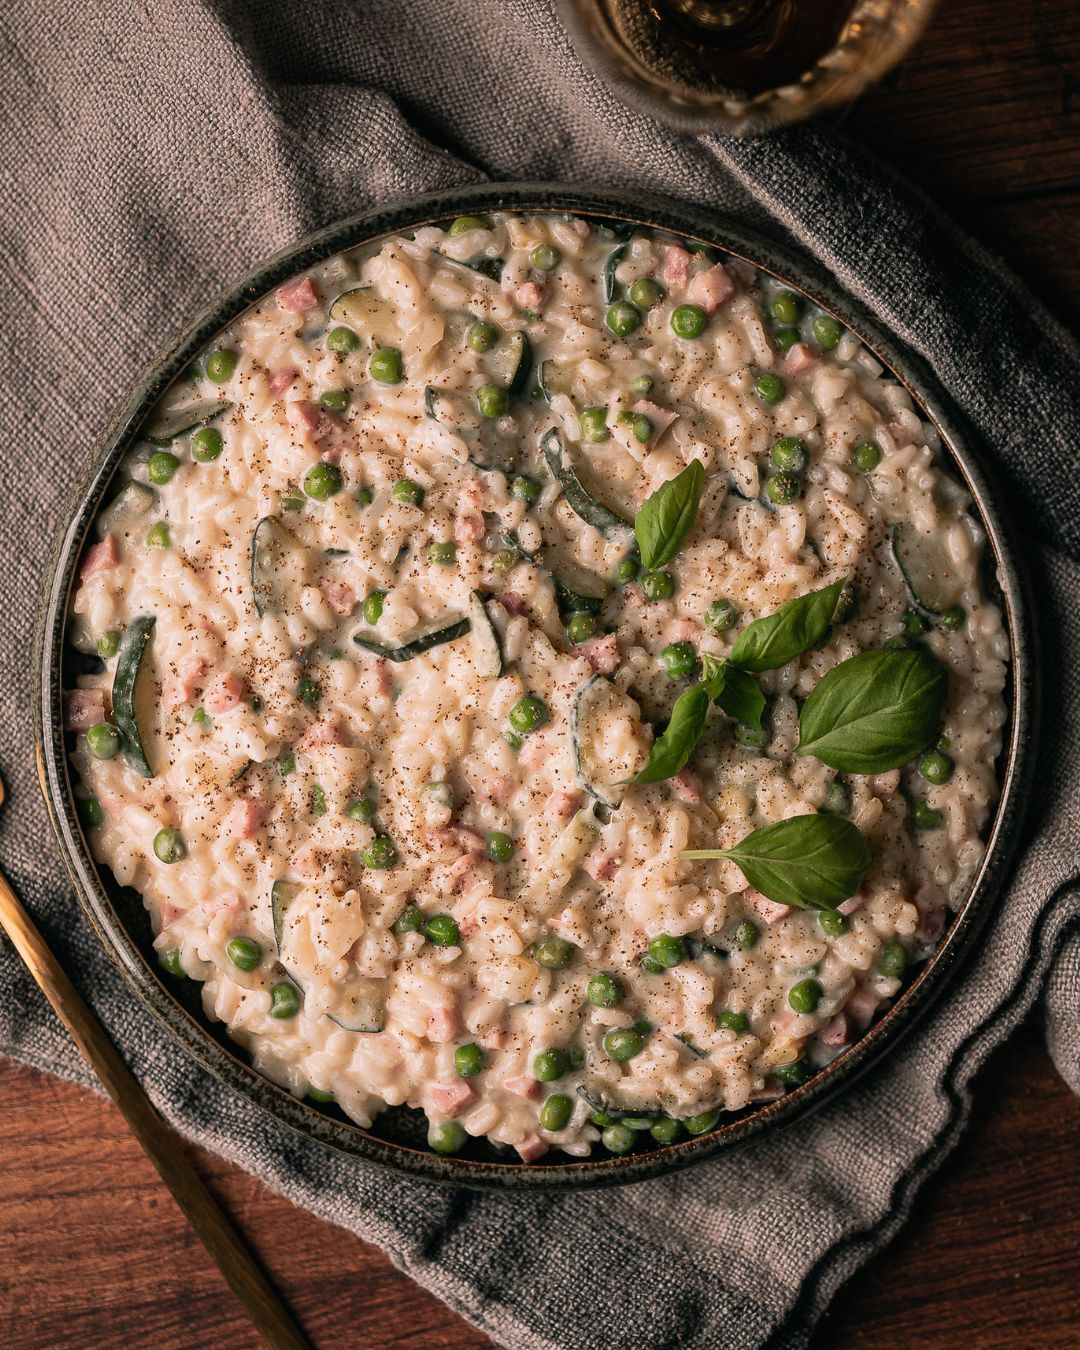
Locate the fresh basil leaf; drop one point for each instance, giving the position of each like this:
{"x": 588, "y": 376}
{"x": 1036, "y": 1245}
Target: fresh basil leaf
{"x": 736, "y": 692}
{"x": 812, "y": 862}
{"x": 672, "y": 750}
{"x": 666, "y": 518}
{"x": 874, "y": 711}
{"x": 771, "y": 642}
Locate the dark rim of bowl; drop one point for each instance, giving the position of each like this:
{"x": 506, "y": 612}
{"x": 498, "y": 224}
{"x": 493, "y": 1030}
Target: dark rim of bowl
{"x": 334, "y": 1129}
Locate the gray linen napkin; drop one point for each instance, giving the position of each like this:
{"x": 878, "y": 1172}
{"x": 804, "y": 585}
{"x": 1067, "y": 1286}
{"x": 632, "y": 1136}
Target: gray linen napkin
{"x": 152, "y": 154}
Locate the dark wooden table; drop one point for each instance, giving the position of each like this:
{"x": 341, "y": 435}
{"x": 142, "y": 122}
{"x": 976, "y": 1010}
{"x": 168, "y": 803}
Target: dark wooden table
{"x": 985, "y": 116}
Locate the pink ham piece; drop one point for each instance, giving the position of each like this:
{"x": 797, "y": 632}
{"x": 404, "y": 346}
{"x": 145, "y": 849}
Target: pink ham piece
{"x": 496, "y": 788}
{"x": 531, "y": 1148}
{"x": 298, "y": 296}
{"x": 836, "y": 1033}
{"x": 468, "y": 527}
{"x": 687, "y": 787}
{"x": 308, "y": 419}
{"x": 801, "y": 357}
{"x": 318, "y": 734}
{"x": 885, "y": 784}
{"x": 901, "y": 435}
{"x": 84, "y": 708}
{"x": 530, "y": 295}
{"x": 450, "y": 1099}
{"x": 685, "y": 630}
{"x": 602, "y": 864}
{"x": 339, "y": 595}
{"x": 223, "y": 902}
{"x": 100, "y": 557}
{"x": 768, "y": 909}
{"x": 182, "y": 686}
{"x": 661, "y": 419}
{"x": 282, "y": 380}
{"x": 224, "y": 692}
{"x": 245, "y": 818}
{"x": 675, "y": 268}
{"x": 455, "y": 839}
{"x": 861, "y": 1007}
{"x": 169, "y": 913}
{"x": 526, "y": 1087}
{"x": 493, "y": 1039}
{"x": 711, "y": 289}
{"x": 563, "y": 805}
{"x": 444, "y": 1025}
{"x": 602, "y": 653}
{"x": 513, "y": 603}
{"x": 307, "y": 864}
{"x": 929, "y": 900}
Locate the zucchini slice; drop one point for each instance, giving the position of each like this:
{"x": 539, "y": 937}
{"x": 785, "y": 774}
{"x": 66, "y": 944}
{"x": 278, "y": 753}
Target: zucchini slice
{"x": 167, "y": 424}
{"x": 511, "y": 363}
{"x": 272, "y": 547}
{"x": 360, "y": 1005}
{"x": 611, "y": 262}
{"x": 282, "y": 894}
{"x": 132, "y": 503}
{"x": 926, "y": 568}
{"x": 592, "y": 701}
{"x": 365, "y": 310}
{"x": 578, "y": 498}
{"x": 481, "y": 264}
{"x": 553, "y": 379}
{"x": 128, "y": 664}
{"x": 487, "y": 649}
{"x": 572, "y": 601}
{"x": 596, "y": 1099}
{"x": 419, "y": 643}
{"x": 683, "y": 1037}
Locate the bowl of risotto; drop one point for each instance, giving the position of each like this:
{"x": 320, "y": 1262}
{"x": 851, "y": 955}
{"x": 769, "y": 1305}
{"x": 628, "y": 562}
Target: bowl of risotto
{"x": 532, "y": 688}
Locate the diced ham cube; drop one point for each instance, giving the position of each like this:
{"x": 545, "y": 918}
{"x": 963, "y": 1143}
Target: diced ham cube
{"x": 168, "y": 913}
{"x": 307, "y": 864}
{"x": 245, "y": 818}
{"x": 513, "y": 603}
{"x": 444, "y": 1025}
{"x": 84, "y": 708}
{"x": 530, "y": 295}
{"x": 685, "y": 630}
{"x": 563, "y": 805}
{"x": 307, "y": 418}
{"x": 318, "y": 734}
{"x": 885, "y": 784}
{"x": 525, "y": 1086}
{"x": 531, "y": 1148}
{"x": 661, "y": 419}
{"x": 339, "y": 595}
{"x": 675, "y": 268}
{"x": 710, "y": 289}
{"x": 836, "y": 1033}
{"x": 900, "y": 434}
{"x": 450, "y": 1099}
{"x": 221, "y": 902}
{"x": 494, "y": 1038}
{"x": 687, "y": 787}
{"x": 602, "y": 864}
{"x": 929, "y": 900}
{"x": 468, "y": 870}
{"x": 100, "y": 557}
{"x": 861, "y": 1007}
{"x": 282, "y": 380}
{"x": 496, "y": 788}
{"x": 298, "y": 296}
{"x": 800, "y": 357}
{"x": 455, "y": 839}
{"x": 224, "y": 692}
{"x": 768, "y": 909}
{"x": 469, "y": 527}
{"x": 473, "y": 493}
{"x": 602, "y": 653}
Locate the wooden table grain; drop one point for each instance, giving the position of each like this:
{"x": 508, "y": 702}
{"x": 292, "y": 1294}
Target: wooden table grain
{"x": 985, "y": 117}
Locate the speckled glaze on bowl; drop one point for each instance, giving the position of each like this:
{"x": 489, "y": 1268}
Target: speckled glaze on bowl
{"x": 397, "y": 1139}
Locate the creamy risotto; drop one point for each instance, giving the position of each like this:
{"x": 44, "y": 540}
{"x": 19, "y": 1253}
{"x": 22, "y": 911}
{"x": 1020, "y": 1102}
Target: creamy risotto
{"x": 472, "y": 580}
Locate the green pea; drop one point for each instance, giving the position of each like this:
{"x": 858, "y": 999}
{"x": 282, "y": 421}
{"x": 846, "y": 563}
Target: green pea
{"x": 554, "y": 953}
{"x": 601, "y": 1119}
{"x": 912, "y": 623}
{"x": 528, "y": 714}
{"x": 789, "y": 453}
{"x": 721, "y": 615}
{"x": 108, "y": 644}
{"x": 556, "y": 1112}
{"x": 318, "y": 801}
{"x": 169, "y": 846}
{"x": 622, "y": 318}
{"x": 787, "y": 307}
{"x": 657, "y": 585}
{"x": 386, "y": 366}
{"x": 594, "y": 425}
{"x": 373, "y": 607}
{"x": 650, "y": 965}
{"x": 793, "y": 1073}
{"x": 549, "y": 1065}
{"x": 448, "y": 1136}
{"x": 753, "y": 738}
{"x": 492, "y": 401}
{"x": 103, "y": 741}
{"x": 623, "y": 1043}
{"x": 341, "y": 341}
{"x": 443, "y": 552}
{"x": 924, "y": 816}
{"x": 893, "y": 960}
{"x": 500, "y": 846}
{"x": 363, "y": 496}
{"x": 642, "y": 428}
{"x": 782, "y": 489}
{"x": 705, "y": 252}
{"x": 243, "y": 952}
{"x": 291, "y": 503}
{"x": 866, "y": 456}
{"x": 668, "y": 951}
{"x": 665, "y": 1130}
{"x": 605, "y": 990}
{"x": 832, "y": 923}
{"x": 645, "y": 292}
{"x": 525, "y": 489}
{"x": 504, "y": 561}
{"x": 480, "y": 337}
{"x": 158, "y": 536}
{"x": 170, "y": 961}
{"x": 618, "y": 1138}
{"x": 544, "y": 257}
{"x": 221, "y": 365}
{"x": 410, "y": 920}
{"x": 954, "y": 618}
{"x": 626, "y": 569}
{"x": 468, "y": 1061}
{"x": 334, "y": 400}
{"x": 746, "y": 934}
{"x": 701, "y": 1124}
{"x": 805, "y": 996}
{"x": 513, "y": 740}
{"x": 441, "y": 930}
{"x": 679, "y": 660}
{"x": 642, "y": 384}
{"x": 827, "y": 332}
{"x": 161, "y": 466}
{"x": 286, "y": 763}
{"x": 580, "y": 628}
{"x": 284, "y": 1000}
{"x": 688, "y": 321}
{"x": 466, "y": 224}
{"x": 322, "y": 481}
{"x": 91, "y": 812}
{"x": 380, "y": 854}
{"x": 770, "y": 389}
{"x": 785, "y": 338}
{"x": 733, "y": 1021}
{"x": 407, "y": 492}
{"x": 307, "y": 691}
{"x": 936, "y": 767}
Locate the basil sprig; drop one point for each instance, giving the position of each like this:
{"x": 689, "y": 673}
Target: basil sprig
{"x": 733, "y": 690}
{"x": 798, "y": 625}
{"x": 738, "y": 693}
{"x": 874, "y": 711}
{"x": 666, "y": 518}
{"x": 812, "y": 862}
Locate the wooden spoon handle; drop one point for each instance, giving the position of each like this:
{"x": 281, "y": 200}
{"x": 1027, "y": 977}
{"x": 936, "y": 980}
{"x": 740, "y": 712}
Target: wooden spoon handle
{"x": 272, "y": 1319}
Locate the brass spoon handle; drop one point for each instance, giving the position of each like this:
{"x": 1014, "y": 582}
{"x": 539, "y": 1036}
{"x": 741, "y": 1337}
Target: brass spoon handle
{"x": 272, "y": 1319}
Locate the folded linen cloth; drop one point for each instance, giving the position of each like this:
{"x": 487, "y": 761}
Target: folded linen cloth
{"x": 151, "y": 156}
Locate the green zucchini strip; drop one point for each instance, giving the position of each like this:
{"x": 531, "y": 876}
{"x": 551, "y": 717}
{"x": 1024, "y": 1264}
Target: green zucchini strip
{"x": 415, "y": 646}
{"x": 579, "y": 499}
{"x": 128, "y": 664}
